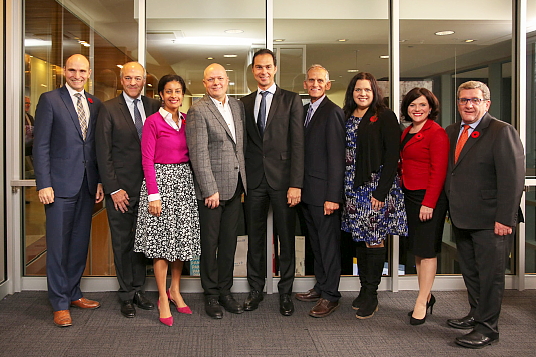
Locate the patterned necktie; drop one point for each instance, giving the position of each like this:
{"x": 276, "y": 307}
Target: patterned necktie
{"x": 261, "y": 117}
{"x": 309, "y": 115}
{"x": 461, "y": 142}
{"x": 81, "y": 115}
{"x": 137, "y": 118}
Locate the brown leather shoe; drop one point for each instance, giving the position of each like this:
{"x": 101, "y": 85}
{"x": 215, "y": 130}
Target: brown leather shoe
{"x": 62, "y": 318}
{"x": 84, "y": 303}
{"x": 311, "y": 295}
{"x": 323, "y": 308}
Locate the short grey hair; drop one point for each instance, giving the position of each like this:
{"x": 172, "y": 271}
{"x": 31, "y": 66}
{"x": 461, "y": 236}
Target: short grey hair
{"x": 317, "y": 66}
{"x": 475, "y": 85}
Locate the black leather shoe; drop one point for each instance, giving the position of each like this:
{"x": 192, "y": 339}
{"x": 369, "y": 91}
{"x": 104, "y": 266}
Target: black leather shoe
{"x": 286, "y": 306}
{"x": 475, "y": 339}
{"x": 465, "y": 323}
{"x": 213, "y": 308}
{"x": 142, "y": 301}
{"x": 253, "y": 300}
{"x": 128, "y": 309}
{"x": 230, "y": 304}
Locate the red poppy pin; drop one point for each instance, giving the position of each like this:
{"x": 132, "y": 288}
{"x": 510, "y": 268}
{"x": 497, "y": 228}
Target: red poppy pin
{"x": 90, "y": 100}
{"x": 183, "y": 121}
{"x": 373, "y": 119}
{"x": 475, "y": 134}
{"x": 419, "y": 136}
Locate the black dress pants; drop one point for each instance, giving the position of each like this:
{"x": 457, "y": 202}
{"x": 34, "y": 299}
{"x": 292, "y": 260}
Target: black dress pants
{"x": 483, "y": 259}
{"x": 258, "y": 201}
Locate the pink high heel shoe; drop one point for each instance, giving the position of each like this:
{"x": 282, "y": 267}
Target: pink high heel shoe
{"x": 182, "y": 310}
{"x": 168, "y": 321}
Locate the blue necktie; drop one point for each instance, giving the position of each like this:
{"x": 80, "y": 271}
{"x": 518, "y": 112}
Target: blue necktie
{"x": 261, "y": 117}
{"x": 309, "y": 115}
{"x": 137, "y": 118}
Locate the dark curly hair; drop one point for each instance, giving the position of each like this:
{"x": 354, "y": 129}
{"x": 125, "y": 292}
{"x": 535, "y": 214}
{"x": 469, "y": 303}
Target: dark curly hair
{"x": 377, "y": 100}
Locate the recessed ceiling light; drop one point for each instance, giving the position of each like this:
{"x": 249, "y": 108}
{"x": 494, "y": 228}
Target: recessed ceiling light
{"x": 469, "y": 41}
{"x": 352, "y": 70}
{"x": 342, "y": 39}
{"x": 229, "y": 70}
{"x": 210, "y": 58}
{"x": 234, "y": 31}
{"x": 149, "y": 85}
{"x": 230, "y": 56}
{"x": 384, "y": 56}
{"x": 120, "y": 65}
{"x": 444, "y": 33}
{"x": 231, "y": 83}
{"x": 279, "y": 40}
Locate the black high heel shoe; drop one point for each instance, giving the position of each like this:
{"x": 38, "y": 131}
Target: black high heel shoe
{"x": 429, "y": 305}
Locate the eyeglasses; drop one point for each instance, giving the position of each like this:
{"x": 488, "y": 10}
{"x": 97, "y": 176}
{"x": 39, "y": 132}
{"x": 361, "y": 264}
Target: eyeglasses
{"x": 213, "y": 79}
{"x": 474, "y": 101}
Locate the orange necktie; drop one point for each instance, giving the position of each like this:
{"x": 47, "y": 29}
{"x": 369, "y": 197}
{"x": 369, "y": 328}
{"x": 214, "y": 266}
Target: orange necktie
{"x": 461, "y": 142}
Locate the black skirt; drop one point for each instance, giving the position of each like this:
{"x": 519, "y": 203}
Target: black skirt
{"x": 424, "y": 238}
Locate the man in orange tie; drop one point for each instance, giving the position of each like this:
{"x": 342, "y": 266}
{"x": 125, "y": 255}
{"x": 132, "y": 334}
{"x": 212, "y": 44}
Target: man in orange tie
{"x": 484, "y": 184}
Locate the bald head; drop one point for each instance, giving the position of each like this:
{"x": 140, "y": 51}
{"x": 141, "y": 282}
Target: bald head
{"x": 76, "y": 72}
{"x": 216, "y": 81}
{"x": 133, "y": 77}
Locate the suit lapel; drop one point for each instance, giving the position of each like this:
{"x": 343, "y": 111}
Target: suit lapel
{"x": 235, "y": 109}
{"x": 475, "y": 135}
{"x": 123, "y": 107}
{"x": 64, "y": 94}
{"x": 273, "y": 106}
{"x": 416, "y": 137}
{"x": 212, "y": 107}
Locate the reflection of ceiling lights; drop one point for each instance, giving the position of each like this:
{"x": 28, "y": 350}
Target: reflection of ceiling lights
{"x": 34, "y": 42}
{"x": 229, "y": 70}
{"x": 279, "y": 40}
{"x": 216, "y": 41}
{"x": 84, "y": 43}
{"x": 120, "y": 65}
{"x": 469, "y": 41}
{"x": 384, "y": 56}
{"x": 210, "y": 58}
{"x": 233, "y": 31}
{"x": 444, "y": 33}
{"x": 149, "y": 85}
{"x": 352, "y": 70}
{"x": 231, "y": 83}
{"x": 342, "y": 39}
{"x": 230, "y": 56}
{"x": 402, "y": 41}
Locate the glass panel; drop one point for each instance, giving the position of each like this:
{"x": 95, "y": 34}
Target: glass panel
{"x": 440, "y": 53}
{"x": 3, "y": 245}
{"x": 346, "y": 37}
{"x": 185, "y": 39}
{"x": 53, "y": 32}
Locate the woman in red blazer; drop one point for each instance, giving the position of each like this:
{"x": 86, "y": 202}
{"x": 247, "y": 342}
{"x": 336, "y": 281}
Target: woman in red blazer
{"x": 423, "y": 163}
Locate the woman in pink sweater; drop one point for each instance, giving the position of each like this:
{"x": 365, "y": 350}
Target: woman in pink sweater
{"x": 168, "y": 222}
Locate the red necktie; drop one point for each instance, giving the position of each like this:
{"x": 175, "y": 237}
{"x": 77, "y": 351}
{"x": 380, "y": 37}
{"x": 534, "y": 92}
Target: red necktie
{"x": 461, "y": 142}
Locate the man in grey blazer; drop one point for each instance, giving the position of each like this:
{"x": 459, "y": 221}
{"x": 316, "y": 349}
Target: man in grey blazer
{"x": 118, "y": 136}
{"x": 215, "y": 137}
{"x": 484, "y": 185}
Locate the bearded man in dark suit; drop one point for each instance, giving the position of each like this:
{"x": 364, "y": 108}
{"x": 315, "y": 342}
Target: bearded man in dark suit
{"x": 118, "y": 138}
{"x": 274, "y": 167}
{"x": 67, "y": 181}
{"x": 484, "y": 185}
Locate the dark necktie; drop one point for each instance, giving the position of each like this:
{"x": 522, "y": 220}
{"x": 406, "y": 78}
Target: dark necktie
{"x": 261, "y": 117}
{"x": 137, "y": 118}
{"x": 461, "y": 142}
{"x": 309, "y": 115}
{"x": 81, "y": 115}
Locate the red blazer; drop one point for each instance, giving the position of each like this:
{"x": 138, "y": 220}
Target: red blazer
{"x": 424, "y": 161}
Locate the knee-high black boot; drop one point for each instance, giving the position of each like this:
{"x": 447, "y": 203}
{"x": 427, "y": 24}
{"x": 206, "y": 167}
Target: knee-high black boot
{"x": 361, "y": 250}
{"x": 375, "y": 262}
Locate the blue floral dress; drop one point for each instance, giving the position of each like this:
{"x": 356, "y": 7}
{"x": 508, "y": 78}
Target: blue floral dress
{"x": 358, "y": 217}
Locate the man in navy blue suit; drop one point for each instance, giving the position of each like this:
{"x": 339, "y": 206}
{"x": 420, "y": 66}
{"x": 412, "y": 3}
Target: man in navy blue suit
{"x": 68, "y": 183}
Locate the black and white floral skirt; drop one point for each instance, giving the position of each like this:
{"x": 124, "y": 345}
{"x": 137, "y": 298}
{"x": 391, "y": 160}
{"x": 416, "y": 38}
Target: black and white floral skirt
{"x": 175, "y": 234}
